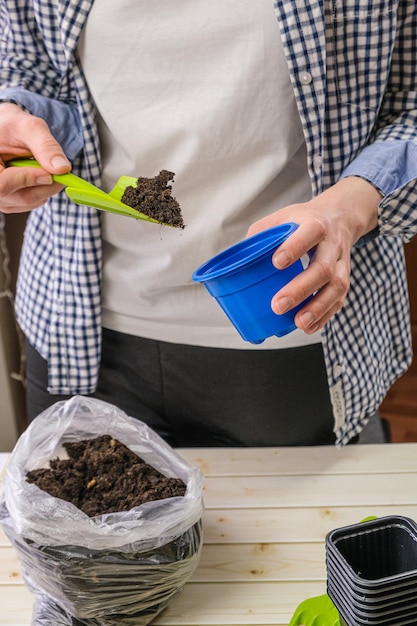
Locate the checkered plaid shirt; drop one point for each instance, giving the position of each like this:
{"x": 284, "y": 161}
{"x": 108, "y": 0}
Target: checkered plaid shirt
{"x": 353, "y": 67}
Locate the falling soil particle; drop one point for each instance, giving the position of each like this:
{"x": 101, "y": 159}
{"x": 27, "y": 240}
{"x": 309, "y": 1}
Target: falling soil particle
{"x": 153, "y": 197}
{"x": 102, "y": 475}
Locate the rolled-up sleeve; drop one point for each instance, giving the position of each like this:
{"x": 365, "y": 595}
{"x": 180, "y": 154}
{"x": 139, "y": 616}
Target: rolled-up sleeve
{"x": 388, "y": 165}
{"x": 62, "y": 118}
{"x": 391, "y": 166}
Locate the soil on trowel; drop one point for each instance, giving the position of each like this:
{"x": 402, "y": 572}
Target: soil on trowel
{"x": 102, "y": 475}
{"x": 153, "y": 197}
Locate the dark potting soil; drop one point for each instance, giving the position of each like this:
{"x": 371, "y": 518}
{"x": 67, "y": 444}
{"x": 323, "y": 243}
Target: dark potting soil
{"x": 102, "y": 475}
{"x": 153, "y": 197}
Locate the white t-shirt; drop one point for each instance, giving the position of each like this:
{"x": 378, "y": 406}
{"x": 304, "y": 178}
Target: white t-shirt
{"x": 201, "y": 89}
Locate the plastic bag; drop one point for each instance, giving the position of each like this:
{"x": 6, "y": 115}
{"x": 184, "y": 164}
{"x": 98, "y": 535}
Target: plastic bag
{"x": 119, "y": 568}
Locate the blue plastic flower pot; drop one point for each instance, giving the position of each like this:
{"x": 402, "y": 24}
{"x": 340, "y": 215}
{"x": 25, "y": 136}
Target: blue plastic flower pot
{"x": 243, "y": 281}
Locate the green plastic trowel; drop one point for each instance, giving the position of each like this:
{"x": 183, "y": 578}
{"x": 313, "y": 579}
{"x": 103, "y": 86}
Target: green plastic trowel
{"x": 84, "y": 193}
{"x": 317, "y": 611}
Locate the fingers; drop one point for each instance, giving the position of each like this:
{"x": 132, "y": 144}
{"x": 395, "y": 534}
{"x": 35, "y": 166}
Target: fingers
{"x": 326, "y": 278}
{"x": 301, "y": 242}
{"x": 23, "y": 134}
{"x": 44, "y": 147}
{"x": 25, "y": 188}
{"x": 327, "y": 301}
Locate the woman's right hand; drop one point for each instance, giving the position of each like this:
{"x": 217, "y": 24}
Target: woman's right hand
{"x": 21, "y": 135}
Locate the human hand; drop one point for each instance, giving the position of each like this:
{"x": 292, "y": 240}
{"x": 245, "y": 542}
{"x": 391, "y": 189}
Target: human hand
{"x": 329, "y": 225}
{"x": 22, "y": 134}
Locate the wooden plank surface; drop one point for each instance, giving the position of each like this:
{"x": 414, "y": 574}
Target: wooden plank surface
{"x": 267, "y": 512}
{"x": 369, "y": 459}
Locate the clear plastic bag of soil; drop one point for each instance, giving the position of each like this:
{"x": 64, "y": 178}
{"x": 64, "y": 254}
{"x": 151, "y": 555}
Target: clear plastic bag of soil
{"x": 119, "y": 568}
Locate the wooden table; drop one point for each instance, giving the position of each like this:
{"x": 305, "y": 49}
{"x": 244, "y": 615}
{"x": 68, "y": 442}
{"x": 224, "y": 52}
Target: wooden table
{"x": 267, "y": 513}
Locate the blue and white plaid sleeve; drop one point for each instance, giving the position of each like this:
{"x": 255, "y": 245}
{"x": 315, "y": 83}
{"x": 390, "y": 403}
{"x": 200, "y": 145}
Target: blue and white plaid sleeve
{"x": 62, "y": 118}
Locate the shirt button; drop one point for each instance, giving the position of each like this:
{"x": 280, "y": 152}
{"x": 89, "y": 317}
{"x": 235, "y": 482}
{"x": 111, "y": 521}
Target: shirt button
{"x": 337, "y": 370}
{"x": 306, "y": 78}
{"x": 317, "y": 161}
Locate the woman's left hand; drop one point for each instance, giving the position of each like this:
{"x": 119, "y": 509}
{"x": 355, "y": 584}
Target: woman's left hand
{"x": 329, "y": 225}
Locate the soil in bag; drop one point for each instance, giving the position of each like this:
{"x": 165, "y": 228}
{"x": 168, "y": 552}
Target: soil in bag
{"x": 102, "y": 475}
{"x": 109, "y": 587}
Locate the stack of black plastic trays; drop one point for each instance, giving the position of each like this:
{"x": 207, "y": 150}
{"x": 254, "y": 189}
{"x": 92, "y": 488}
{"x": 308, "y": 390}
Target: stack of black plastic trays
{"x": 372, "y": 572}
